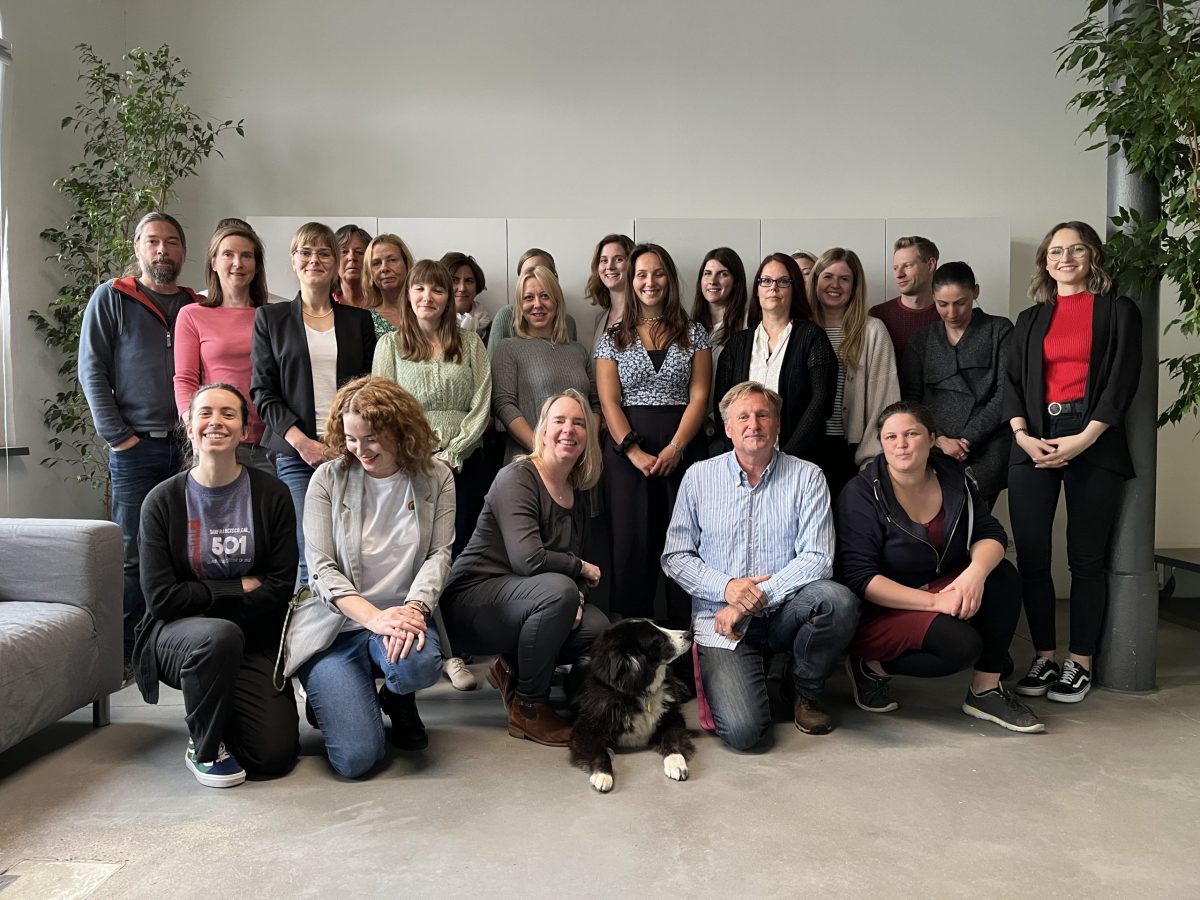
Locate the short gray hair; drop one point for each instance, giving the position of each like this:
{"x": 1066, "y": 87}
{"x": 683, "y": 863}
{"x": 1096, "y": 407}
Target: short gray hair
{"x": 744, "y": 389}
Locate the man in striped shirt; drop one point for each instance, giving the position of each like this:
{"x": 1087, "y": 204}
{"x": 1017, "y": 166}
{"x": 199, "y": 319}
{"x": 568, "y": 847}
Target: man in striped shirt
{"x": 751, "y": 540}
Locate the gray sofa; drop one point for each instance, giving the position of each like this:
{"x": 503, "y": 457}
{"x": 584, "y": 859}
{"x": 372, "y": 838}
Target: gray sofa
{"x": 60, "y": 622}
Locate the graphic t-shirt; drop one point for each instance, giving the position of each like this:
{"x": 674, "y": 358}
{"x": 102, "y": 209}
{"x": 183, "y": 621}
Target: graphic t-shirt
{"x": 220, "y": 528}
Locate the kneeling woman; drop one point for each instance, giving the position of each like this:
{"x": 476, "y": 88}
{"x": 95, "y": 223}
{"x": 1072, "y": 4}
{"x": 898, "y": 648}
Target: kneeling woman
{"x": 920, "y": 547}
{"x": 517, "y": 588}
{"x": 218, "y": 551}
{"x": 378, "y": 525}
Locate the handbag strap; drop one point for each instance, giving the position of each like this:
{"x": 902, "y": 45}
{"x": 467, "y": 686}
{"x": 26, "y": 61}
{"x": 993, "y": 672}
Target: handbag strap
{"x": 276, "y": 675}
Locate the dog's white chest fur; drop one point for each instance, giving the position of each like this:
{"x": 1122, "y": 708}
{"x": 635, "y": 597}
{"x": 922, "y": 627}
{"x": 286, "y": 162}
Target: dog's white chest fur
{"x": 642, "y": 724}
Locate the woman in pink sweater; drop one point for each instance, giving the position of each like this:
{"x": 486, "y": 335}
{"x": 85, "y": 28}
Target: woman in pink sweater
{"x": 212, "y": 337}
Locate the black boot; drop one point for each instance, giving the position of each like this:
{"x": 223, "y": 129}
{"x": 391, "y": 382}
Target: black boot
{"x": 408, "y": 731}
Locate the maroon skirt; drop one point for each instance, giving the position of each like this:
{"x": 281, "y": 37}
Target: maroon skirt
{"x": 883, "y": 634}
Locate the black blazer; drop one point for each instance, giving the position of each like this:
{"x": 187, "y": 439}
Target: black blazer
{"x": 1113, "y": 371}
{"x": 807, "y": 383}
{"x": 281, "y": 384}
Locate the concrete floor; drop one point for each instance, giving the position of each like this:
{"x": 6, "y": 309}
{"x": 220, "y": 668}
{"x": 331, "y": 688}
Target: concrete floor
{"x": 925, "y": 802}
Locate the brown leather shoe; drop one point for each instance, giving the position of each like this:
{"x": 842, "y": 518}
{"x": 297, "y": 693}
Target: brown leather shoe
{"x": 500, "y": 677}
{"x": 810, "y": 718}
{"x": 537, "y": 722}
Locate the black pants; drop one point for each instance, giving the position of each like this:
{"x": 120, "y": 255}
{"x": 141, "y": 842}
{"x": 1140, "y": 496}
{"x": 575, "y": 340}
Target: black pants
{"x": 228, "y": 695}
{"x": 470, "y": 487}
{"x": 529, "y": 620}
{"x": 835, "y": 458}
{"x": 981, "y": 642}
{"x": 639, "y": 510}
{"x": 1093, "y": 495}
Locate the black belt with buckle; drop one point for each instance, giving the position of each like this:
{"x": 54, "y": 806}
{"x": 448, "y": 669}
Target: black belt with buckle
{"x": 153, "y": 434}
{"x": 1057, "y": 409}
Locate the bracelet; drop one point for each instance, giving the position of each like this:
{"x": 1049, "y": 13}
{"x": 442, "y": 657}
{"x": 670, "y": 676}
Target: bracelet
{"x": 1017, "y": 431}
{"x": 678, "y": 449}
{"x": 631, "y": 439}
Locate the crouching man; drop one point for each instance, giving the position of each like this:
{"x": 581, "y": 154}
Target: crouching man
{"x": 751, "y": 540}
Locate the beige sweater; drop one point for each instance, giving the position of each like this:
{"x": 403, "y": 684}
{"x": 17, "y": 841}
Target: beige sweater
{"x": 869, "y": 390}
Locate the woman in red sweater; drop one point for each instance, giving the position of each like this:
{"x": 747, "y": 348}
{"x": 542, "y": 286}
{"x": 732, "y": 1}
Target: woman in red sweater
{"x": 1074, "y": 361}
{"x": 212, "y": 337}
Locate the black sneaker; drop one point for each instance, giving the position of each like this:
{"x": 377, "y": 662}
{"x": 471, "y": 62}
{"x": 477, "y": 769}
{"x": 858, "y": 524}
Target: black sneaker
{"x": 1072, "y": 685}
{"x": 1001, "y": 707}
{"x": 870, "y": 690}
{"x": 1042, "y": 673}
{"x": 408, "y": 731}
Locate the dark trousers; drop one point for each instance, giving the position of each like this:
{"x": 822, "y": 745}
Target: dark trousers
{"x": 528, "y": 620}
{"x": 132, "y": 473}
{"x": 1093, "y": 495}
{"x": 835, "y": 458}
{"x": 296, "y": 474}
{"x": 228, "y": 695}
{"x": 639, "y": 510}
{"x": 981, "y": 642}
{"x": 470, "y": 487}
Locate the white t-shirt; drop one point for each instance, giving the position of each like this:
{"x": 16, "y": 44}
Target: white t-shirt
{"x": 765, "y": 365}
{"x": 322, "y": 356}
{"x": 389, "y": 541}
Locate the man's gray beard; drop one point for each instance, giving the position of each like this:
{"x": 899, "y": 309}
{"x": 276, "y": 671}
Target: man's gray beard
{"x": 162, "y": 272}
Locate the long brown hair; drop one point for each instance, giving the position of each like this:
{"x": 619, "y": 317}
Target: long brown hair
{"x": 673, "y": 327}
{"x": 416, "y": 347}
{"x": 258, "y": 284}
{"x": 596, "y": 291}
{"x": 735, "y": 307}
{"x": 854, "y": 324}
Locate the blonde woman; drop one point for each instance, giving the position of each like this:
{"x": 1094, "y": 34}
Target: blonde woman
{"x": 539, "y": 361}
{"x": 518, "y": 588}
{"x": 388, "y": 262}
{"x": 867, "y": 381}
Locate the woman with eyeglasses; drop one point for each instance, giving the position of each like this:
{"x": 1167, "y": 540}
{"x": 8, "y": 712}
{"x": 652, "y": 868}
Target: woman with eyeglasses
{"x": 784, "y": 350}
{"x": 654, "y": 376}
{"x": 606, "y": 284}
{"x": 466, "y": 275}
{"x": 866, "y": 381}
{"x": 1073, "y": 367}
{"x": 352, "y": 249}
{"x": 301, "y": 352}
{"x": 388, "y": 262}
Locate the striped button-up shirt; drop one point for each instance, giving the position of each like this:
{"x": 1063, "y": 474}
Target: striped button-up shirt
{"x": 723, "y": 528}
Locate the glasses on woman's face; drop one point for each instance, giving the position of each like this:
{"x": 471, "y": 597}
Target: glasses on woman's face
{"x": 1060, "y": 252}
{"x": 323, "y": 254}
{"x": 783, "y": 282}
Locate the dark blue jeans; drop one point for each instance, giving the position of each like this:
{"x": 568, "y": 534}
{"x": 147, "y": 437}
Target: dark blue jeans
{"x": 814, "y": 626}
{"x": 296, "y": 474}
{"x": 132, "y": 473}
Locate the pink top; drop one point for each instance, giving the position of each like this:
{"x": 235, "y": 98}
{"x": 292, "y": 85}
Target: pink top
{"x": 212, "y": 343}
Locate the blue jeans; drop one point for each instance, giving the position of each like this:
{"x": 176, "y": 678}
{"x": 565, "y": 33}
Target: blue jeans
{"x": 296, "y": 474}
{"x": 814, "y": 626}
{"x": 132, "y": 473}
{"x": 340, "y": 683}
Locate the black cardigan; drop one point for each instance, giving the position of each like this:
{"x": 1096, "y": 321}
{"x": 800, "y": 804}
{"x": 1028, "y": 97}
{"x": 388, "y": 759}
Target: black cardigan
{"x": 875, "y": 536}
{"x": 1113, "y": 371}
{"x": 281, "y": 384}
{"x": 173, "y": 591}
{"x": 807, "y": 383}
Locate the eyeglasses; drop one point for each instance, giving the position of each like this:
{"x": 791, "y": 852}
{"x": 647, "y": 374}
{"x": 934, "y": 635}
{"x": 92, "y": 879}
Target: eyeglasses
{"x": 1073, "y": 250}
{"x": 307, "y": 253}
{"x": 778, "y": 282}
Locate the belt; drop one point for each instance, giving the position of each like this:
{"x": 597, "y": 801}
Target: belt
{"x": 153, "y": 434}
{"x": 1057, "y": 409}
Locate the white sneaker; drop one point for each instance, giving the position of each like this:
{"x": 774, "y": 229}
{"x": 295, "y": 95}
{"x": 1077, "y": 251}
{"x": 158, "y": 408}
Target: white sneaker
{"x": 458, "y": 673}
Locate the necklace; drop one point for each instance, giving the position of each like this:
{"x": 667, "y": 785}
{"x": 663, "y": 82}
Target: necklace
{"x": 561, "y": 498}
{"x": 646, "y": 320}
{"x": 320, "y": 315}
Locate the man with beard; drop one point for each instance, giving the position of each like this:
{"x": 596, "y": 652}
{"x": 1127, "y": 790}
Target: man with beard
{"x": 126, "y": 368}
{"x": 913, "y": 262}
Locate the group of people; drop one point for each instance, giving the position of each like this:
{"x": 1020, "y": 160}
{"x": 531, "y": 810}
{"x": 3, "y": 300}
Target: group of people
{"x": 814, "y": 478}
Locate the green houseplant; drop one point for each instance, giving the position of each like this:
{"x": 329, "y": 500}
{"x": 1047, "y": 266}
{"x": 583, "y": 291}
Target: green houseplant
{"x": 1142, "y": 77}
{"x": 139, "y": 140}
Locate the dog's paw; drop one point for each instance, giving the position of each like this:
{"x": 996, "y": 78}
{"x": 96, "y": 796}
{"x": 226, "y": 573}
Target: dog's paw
{"x": 603, "y": 782}
{"x": 675, "y": 767}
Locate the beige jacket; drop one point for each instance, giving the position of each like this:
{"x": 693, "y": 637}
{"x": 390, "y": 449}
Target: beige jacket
{"x": 869, "y": 390}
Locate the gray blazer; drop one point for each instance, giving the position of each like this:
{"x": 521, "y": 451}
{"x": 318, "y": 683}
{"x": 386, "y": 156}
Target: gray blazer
{"x": 333, "y": 550}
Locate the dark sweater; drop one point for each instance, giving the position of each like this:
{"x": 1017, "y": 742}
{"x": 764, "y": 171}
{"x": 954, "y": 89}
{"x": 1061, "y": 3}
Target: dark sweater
{"x": 807, "y": 383}
{"x": 875, "y": 536}
{"x": 174, "y": 591}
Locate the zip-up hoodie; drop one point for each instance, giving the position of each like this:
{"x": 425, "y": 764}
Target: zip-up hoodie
{"x": 126, "y": 364}
{"x": 875, "y": 536}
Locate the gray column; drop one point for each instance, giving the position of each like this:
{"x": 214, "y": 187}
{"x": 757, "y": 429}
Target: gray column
{"x": 1129, "y": 645}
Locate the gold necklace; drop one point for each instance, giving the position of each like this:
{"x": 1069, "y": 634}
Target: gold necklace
{"x": 320, "y": 316}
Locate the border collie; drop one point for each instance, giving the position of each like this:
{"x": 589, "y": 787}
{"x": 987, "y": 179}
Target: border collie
{"x": 628, "y": 699}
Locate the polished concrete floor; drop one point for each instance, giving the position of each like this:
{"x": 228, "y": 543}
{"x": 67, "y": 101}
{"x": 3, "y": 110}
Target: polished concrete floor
{"x": 924, "y": 802}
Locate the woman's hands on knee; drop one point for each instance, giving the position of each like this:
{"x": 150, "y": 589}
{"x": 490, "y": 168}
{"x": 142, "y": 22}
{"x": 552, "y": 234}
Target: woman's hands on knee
{"x": 402, "y": 628}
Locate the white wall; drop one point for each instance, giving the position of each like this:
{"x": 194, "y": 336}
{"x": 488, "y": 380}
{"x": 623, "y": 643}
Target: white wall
{"x": 560, "y": 108}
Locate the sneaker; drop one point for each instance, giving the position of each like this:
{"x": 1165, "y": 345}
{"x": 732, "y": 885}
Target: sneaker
{"x": 809, "y": 716}
{"x": 1072, "y": 685}
{"x": 458, "y": 673}
{"x": 1042, "y": 673}
{"x": 408, "y": 731}
{"x": 871, "y": 691}
{"x": 1001, "y": 707}
{"x": 225, "y": 771}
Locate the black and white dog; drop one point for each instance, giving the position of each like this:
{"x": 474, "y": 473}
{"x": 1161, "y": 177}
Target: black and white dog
{"x": 628, "y": 699}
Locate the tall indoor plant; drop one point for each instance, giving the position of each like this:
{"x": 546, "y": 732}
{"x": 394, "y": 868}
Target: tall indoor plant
{"x": 1142, "y": 72}
{"x": 139, "y": 140}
